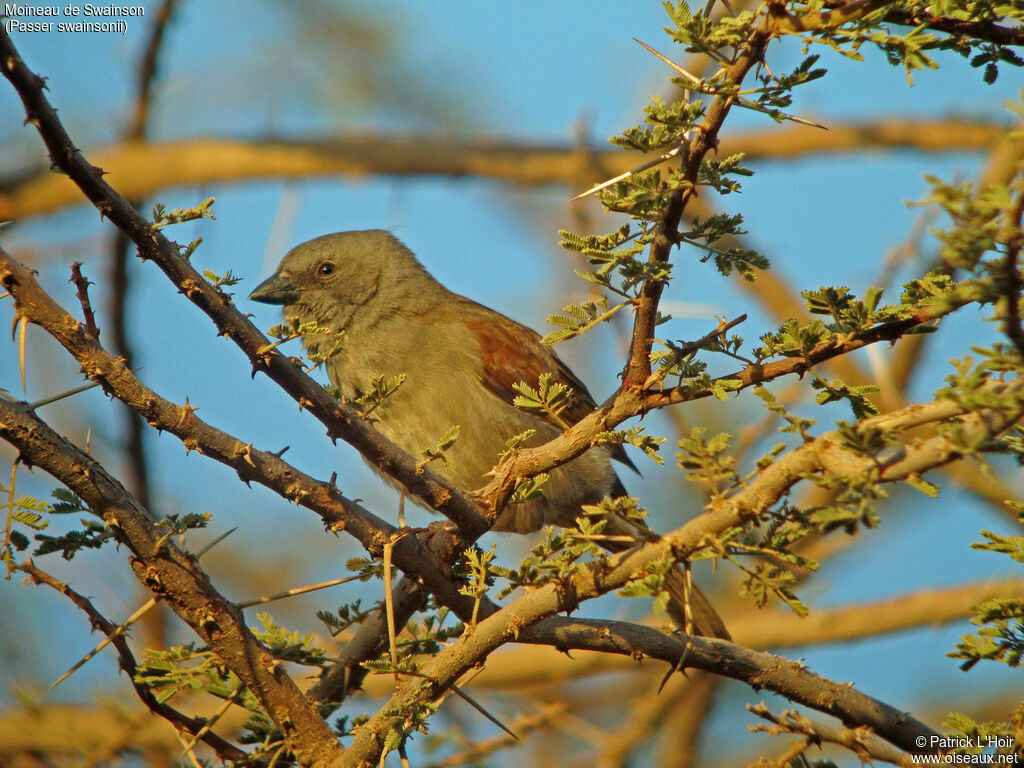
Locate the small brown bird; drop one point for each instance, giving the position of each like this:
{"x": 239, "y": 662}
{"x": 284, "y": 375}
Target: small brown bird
{"x": 461, "y": 361}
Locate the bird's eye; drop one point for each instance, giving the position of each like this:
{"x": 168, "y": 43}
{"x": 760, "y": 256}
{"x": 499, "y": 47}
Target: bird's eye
{"x": 325, "y": 269}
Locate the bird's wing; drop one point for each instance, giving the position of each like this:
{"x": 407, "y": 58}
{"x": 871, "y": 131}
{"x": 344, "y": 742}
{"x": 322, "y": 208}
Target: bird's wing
{"x": 512, "y": 353}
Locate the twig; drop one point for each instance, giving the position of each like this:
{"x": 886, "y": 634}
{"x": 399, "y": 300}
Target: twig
{"x": 142, "y": 611}
{"x": 82, "y": 291}
{"x": 696, "y": 81}
{"x": 983, "y": 30}
{"x": 861, "y": 741}
{"x": 21, "y": 324}
{"x": 118, "y": 631}
{"x": 475, "y": 705}
{"x": 212, "y": 721}
{"x": 126, "y": 659}
{"x": 786, "y": 759}
{"x": 698, "y": 144}
{"x": 1011, "y": 277}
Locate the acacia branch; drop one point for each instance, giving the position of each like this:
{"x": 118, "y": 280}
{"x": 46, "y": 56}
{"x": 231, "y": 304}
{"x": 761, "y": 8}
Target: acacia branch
{"x": 1012, "y": 283}
{"x": 763, "y": 630}
{"x": 140, "y": 169}
{"x": 825, "y": 454}
{"x": 704, "y": 138}
{"x": 860, "y": 741}
{"x": 760, "y": 670}
{"x": 176, "y": 578}
{"x": 126, "y": 659}
{"x": 989, "y": 31}
{"x": 628, "y": 403}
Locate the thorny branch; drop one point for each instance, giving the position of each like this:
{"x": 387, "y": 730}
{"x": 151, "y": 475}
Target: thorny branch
{"x": 527, "y": 615}
{"x": 126, "y": 659}
{"x": 174, "y": 576}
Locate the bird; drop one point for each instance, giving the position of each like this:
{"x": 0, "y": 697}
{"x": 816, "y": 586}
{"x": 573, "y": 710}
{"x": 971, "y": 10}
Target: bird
{"x": 374, "y": 311}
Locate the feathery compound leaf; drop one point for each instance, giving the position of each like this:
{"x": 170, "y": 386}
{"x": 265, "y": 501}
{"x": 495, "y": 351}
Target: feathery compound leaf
{"x": 550, "y": 398}
{"x": 447, "y": 441}
{"x": 529, "y": 489}
{"x": 835, "y": 390}
{"x": 162, "y": 217}
{"x": 67, "y": 502}
{"x": 381, "y": 388}
{"x": 514, "y": 443}
{"x": 579, "y": 318}
{"x": 635, "y": 436}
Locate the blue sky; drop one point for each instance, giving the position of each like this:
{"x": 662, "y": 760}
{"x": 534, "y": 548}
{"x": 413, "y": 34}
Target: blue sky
{"x": 526, "y": 71}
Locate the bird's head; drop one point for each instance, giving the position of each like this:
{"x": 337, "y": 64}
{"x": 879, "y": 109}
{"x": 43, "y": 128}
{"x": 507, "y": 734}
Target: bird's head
{"x": 331, "y": 279}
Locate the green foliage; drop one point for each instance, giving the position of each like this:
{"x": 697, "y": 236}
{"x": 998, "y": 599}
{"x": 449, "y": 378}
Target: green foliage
{"x": 186, "y": 669}
{"x": 67, "y": 503}
{"x": 1000, "y": 740}
{"x": 549, "y": 399}
{"x": 1001, "y": 637}
{"x": 367, "y": 569}
{"x": 705, "y": 233}
{"x": 477, "y": 565}
{"x": 439, "y": 451}
{"x": 912, "y": 50}
{"x": 514, "y": 443}
{"x": 92, "y": 536}
{"x": 626, "y": 507}
{"x": 635, "y": 436}
{"x": 708, "y": 461}
{"x": 228, "y": 278}
{"x": 766, "y": 580}
{"x": 793, "y": 339}
{"x": 29, "y": 511}
{"x": 346, "y": 616}
{"x": 576, "y": 319}
{"x": 836, "y": 390}
{"x": 427, "y": 637}
{"x": 556, "y": 558}
{"x": 411, "y": 718}
{"x": 650, "y": 582}
{"x": 163, "y": 218}
{"x": 174, "y": 525}
{"x": 186, "y": 251}
{"x": 381, "y": 388}
{"x": 322, "y": 343}
{"x": 853, "y": 506}
{"x": 183, "y": 668}
{"x": 617, "y": 252}
{"x": 288, "y": 645}
{"x": 977, "y": 220}
{"x": 529, "y": 489}
{"x": 795, "y": 424}
{"x": 665, "y": 124}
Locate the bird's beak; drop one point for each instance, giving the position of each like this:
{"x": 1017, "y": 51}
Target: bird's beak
{"x": 276, "y": 289}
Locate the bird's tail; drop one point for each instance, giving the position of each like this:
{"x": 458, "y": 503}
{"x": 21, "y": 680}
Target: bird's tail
{"x": 688, "y": 607}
